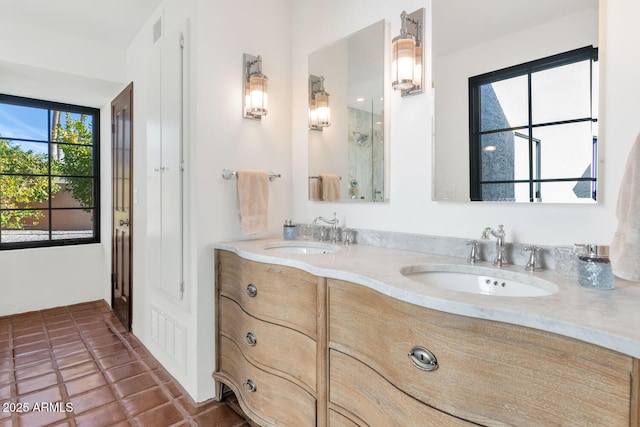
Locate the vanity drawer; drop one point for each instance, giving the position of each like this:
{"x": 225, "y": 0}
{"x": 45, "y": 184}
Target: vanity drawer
{"x": 336, "y": 419}
{"x": 488, "y": 372}
{"x": 269, "y": 398}
{"x": 270, "y": 345}
{"x": 274, "y": 293}
{"x": 374, "y": 400}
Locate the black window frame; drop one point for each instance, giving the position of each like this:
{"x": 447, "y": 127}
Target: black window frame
{"x": 475, "y": 133}
{"x": 74, "y": 109}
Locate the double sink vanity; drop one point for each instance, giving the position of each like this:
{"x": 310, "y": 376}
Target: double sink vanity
{"x": 313, "y": 333}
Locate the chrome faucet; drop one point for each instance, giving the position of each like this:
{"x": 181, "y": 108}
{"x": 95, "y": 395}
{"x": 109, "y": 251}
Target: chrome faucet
{"x": 334, "y": 225}
{"x": 500, "y": 260}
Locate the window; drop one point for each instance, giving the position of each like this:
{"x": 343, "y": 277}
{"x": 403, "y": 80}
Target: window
{"x": 49, "y": 173}
{"x": 533, "y": 130}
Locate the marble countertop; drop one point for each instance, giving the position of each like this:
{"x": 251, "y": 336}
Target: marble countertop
{"x": 608, "y": 318}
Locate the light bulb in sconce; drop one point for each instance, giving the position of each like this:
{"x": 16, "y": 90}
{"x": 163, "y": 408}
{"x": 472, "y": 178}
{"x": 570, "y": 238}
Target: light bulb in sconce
{"x": 255, "y": 88}
{"x": 407, "y": 57}
{"x": 319, "y": 109}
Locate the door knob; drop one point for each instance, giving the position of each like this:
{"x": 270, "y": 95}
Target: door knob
{"x": 124, "y": 222}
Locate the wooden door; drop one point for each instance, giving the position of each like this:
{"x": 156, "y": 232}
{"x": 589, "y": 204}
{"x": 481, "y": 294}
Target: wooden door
{"x": 122, "y": 190}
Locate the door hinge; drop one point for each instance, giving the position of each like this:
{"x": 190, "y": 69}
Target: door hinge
{"x": 181, "y": 290}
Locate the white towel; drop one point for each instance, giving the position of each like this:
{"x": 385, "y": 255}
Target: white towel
{"x": 330, "y": 187}
{"x": 625, "y": 247}
{"x": 253, "y": 201}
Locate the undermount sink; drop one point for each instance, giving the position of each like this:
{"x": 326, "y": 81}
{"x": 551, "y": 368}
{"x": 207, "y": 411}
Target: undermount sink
{"x": 480, "y": 280}
{"x": 301, "y": 247}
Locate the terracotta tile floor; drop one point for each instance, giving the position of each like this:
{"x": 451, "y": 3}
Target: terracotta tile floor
{"x": 78, "y": 366}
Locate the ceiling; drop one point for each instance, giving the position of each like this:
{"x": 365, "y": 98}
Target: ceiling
{"x": 113, "y": 22}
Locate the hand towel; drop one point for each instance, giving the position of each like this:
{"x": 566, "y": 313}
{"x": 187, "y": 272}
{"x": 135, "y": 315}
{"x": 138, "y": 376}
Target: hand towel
{"x": 624, "y": 252}
{"x": 330, "y": 187}
{"x": 315, "y": 189}
{"x": 253, "y": 201}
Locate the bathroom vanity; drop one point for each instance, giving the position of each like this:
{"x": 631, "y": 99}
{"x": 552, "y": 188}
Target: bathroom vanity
{"x": 344, "y": 339}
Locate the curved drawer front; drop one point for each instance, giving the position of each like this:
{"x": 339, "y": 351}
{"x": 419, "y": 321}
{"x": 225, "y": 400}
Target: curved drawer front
{"x": 374, "y": 400}
{"x": 336, "y": 419}
{"x": 277, "y": 347}
{"x": 488, "y": 372}
{"x": 272, "y": 399}
{"x": 278, "y": 294}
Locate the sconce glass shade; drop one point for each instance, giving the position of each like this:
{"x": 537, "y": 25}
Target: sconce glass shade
{"x": 403, "y": 65}
{"x": 323, "y": 112}
{"x": 258, "y": 95}
{"x": 313, "y": 114}
{"x": 417, "y": 68}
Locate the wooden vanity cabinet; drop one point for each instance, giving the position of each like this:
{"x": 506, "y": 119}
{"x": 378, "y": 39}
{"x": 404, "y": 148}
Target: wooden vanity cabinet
{"x": 300, "y": 350}
{"x": 488, "y": 373}
{"x": 271, "y": 340}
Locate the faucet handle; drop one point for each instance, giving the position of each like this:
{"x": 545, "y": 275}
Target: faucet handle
{"x": 486, "y": 233}
{"x": 347, "y": 236}
{"x": 473, "y": 254}
{"x": 533, "y": 264}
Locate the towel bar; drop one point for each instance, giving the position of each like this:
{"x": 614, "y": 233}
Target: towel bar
{"x": 228, "y": 174}
{"x": 319, "y": 177}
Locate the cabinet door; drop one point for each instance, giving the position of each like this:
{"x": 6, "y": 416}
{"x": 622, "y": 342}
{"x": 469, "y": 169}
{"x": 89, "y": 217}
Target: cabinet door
{"x": 269, "y": 398}
{"x": 270, "y": 346}
{"x": 278, "y": 294}
{"x": 375, "y": 401}
{"x": 489, "y": 372}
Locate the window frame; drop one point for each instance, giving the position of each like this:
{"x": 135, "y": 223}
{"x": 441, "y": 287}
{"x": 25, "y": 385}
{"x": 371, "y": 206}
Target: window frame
{"x": 475, "y": 133}
{"x": 51, "y": 106}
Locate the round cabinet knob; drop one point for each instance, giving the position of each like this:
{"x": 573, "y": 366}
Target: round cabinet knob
{"x": 251, "y": 339}
{"x": 423, "y": 359}
{"x": 252, "y": 291}
{"x": 250, "y": 386}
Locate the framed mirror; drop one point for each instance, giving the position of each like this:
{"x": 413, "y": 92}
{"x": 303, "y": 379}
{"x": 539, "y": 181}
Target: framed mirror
{"x": 478, "y": 40}
{"x": 347, "y": 153}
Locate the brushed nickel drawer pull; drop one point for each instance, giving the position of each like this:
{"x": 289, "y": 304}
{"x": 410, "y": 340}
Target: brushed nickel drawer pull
{"x": 423, "y": 359}
{"x": 251, "y": 339}
{"x": 252, "y": 291}
{"x": 250, "y": 386}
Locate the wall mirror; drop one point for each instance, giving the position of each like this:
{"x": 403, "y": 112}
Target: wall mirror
{"x": 472, "y": 38}
{"x": 350, "y": 152}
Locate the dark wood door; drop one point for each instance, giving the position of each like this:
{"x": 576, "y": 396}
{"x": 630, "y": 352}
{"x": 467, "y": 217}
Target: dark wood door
{"x": 121, "y": 230}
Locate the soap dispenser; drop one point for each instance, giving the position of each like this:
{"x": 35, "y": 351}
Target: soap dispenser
{"x": 289, "y": 231}
{"x": 594, "y": 268}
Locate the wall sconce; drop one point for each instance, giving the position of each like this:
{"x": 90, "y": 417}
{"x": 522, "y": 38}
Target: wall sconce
{"x": 319, "y": 110}
{"x": 255, "y": 96}
{"x": 407, "y": 72}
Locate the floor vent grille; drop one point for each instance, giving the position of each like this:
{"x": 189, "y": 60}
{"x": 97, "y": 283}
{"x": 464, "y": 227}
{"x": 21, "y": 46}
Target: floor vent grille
{"x": 168, "y": 335}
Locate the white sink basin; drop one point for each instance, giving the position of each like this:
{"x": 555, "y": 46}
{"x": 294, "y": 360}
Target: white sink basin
{"x": 301, "y": 247}
{"x": 481, "y": 280}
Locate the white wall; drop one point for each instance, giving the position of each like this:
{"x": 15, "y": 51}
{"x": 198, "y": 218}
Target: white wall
{"x": 217, "y": 137}
{"x": 32, "y": 66}
{"x": 410, "y": 208}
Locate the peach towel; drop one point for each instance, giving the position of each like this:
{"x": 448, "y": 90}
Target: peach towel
{"x": 315, "y": 189}
{"x": 253, "y": 201}
{"x": 330, "y": 187}
{"x": 625, "y": 247}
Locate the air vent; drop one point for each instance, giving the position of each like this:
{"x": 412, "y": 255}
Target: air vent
{"x": 157, "y": 30}
{"x": 168, "y": 335}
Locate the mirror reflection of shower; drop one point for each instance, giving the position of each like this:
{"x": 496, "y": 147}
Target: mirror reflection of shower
{"x": 366, "y": 150}
{"x": 360, "y": 138}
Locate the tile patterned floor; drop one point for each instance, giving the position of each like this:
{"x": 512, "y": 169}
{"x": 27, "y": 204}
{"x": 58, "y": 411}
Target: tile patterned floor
{"x": 77, "y": 366}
